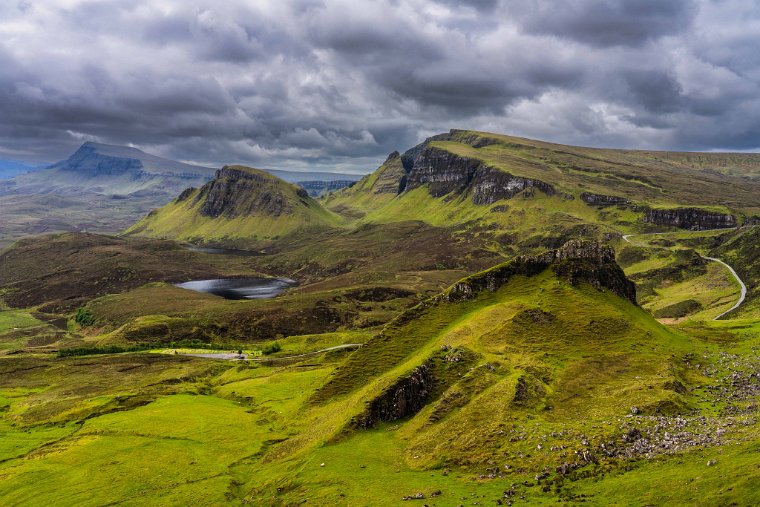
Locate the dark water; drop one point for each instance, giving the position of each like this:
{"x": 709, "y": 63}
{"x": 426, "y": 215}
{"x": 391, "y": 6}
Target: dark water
{"x": 222, "y": 251}
{"x": 240, "y": 288}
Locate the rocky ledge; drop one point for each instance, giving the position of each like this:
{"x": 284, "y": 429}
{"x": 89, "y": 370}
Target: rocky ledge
{"x": 447, "y": 173}
{"x": 577, "y": 261}
{"x": 694, "y": 219}
{"x": 603, "y": 200}
{"x": 404, "y": 398}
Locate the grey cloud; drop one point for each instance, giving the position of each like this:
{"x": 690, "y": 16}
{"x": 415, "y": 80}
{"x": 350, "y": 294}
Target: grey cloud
{"x": 339, "y": 84}
{"x": 607, "y": 22}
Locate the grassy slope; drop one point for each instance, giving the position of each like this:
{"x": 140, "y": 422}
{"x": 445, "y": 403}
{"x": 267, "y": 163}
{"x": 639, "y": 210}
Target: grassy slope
{"x": 183, "y": 220}
{"x": 246, "y": 431}
{"x": 719, "y": 182}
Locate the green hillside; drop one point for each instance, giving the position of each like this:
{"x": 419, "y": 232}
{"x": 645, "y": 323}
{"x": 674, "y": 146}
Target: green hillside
{"x": 463, "y": 176}
{"x": 241, "y": 205}
{"x": 535, "y": 381}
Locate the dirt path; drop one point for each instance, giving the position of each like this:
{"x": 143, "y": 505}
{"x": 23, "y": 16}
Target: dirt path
{"x": 242, "y": 357}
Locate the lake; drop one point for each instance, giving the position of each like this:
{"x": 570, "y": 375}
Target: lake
{"x": 222, "y": 251}
{"x": 240, "y": 288}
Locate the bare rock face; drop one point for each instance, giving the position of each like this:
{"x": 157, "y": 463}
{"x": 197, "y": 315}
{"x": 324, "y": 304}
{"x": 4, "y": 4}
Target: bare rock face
{"x": 694, "y": 219}
{"x": 404, "y": 398}
{"x": 577, "y": 261}
{"x": 603, "y": 200}
{"x": 239, "y": 192}
{"x": 447, "y": 173}
{"x": 390, "y": 175}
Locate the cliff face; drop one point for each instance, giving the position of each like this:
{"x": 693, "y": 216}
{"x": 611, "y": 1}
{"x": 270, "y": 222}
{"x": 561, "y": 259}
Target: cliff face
{"x": 603, "y": 200}
{"x": 694, "y": 219}
{"x": 577, "y": 261}
{"x": 404, "y": 398}
{"x": 390, "y": 175}
{"x": 447, "y": 173}
{"x": 238, "y": 191}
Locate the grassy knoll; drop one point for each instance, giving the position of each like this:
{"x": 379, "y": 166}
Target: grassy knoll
{"x": 242, "y": 205}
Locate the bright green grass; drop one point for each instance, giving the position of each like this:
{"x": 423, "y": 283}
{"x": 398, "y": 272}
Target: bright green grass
{"x": 716, "y": 290}
{"x": 16, "y": 319}
{"x": 177, "y": 450}
{"x": 12, "y": 321}
{"x": 682, "y": 480}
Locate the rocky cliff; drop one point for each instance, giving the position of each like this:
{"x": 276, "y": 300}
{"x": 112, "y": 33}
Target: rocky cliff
{"x": 603, "y": 200}
{"x": 241, "y": 207}
{"x": 404, "y": 398}
{"x": 241, "y": 191}
{"x": 694, "y": 219}
{"x": 577, "y": 261}
{"x": 445, "y": 173}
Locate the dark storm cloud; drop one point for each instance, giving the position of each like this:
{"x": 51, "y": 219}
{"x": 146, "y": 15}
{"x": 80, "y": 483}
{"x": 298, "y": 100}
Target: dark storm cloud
{"x": 337, "y": 84}
{"x": 606, "y": 22}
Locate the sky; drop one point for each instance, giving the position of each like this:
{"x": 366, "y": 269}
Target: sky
{"x": 338, "y": 84}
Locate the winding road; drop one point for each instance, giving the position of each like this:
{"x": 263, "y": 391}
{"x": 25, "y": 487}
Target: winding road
{"x": 743, "y": 294}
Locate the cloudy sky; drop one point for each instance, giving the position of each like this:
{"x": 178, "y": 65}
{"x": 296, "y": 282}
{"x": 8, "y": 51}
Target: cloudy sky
{"x": 338, "y": 84}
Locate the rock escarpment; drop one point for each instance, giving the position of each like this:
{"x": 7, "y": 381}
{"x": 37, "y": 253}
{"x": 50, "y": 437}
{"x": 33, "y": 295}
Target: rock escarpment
{"x": 445, "y": 173}
{"x": 238, "y": 191}
{"x": 404, "y": 398}
{"x": 603, "y": 200}
{"x": 694, "y": 219}
{"x": 577, "y": 261}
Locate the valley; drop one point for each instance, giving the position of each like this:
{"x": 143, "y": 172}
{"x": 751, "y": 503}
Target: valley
{"x": 483, "y": 320}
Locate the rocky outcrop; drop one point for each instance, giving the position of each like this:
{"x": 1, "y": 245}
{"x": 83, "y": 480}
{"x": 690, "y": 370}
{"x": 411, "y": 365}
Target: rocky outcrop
{"x": 444, "y": 173}
{"x": 694, "y": 219}
{"x": 238, "y": 191}
{"x": 603, "y": 200}
{"x": 404, "y": 398}
{"x": 390, "y": 175}
{"x": 490, "y": 185}
{"x": 185, "y": 194}
{"x": 577, "y": 261}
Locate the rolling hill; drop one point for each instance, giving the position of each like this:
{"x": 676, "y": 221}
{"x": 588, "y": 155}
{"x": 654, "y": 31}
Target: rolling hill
{"x": 240, "y": 205}
{"x": 463, "y": 176}
{"x": 536, "y": 381}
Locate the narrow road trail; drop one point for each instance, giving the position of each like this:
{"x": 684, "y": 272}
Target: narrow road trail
{"x": 742, "y": 295}
{"x": 241, "y": 357}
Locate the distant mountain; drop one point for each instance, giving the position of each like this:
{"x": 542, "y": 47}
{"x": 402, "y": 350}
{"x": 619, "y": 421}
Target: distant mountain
{"x": 117, "y": 170}
{"x": 299, "y": 176}
{"x": 12, "y": 168}
{"x": 317, "y": 183}
{"x": 241, "y": 205}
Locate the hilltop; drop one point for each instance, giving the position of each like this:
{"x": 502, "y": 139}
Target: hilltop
{"x": 239, "y": 204}
{"x": 463, "y": 176}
